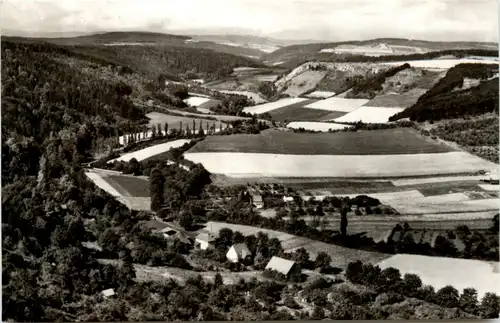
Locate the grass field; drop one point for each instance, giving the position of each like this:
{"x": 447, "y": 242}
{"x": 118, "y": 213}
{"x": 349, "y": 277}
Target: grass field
{"x": 304, "y": 82}
{"x": 341, "y": 256}
{"x": 151, "y": 151}
{"x": 129, "y": 185}
{"x": 174, "y": 122}
{"x": 255, "y": 96}
{"x": 343, "y": 166}
{"x": 195, "y": 101}
{"x": 436, "y": 271}
{"x": 376, "y": 142}
{"x": 297, "y": 112}
{"x": 394, "y": 100}
{"x": 369, "y": 115}
{"x": 267, "y": 107}
{"x": 320, "y": 94}
{"x": 316, "y": 126}
{"x": 336, "y": 104}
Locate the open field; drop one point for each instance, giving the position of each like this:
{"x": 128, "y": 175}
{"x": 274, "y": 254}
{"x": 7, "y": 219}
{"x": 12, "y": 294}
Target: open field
{"x": 195, "y": 101}
{"x": 369, "y": 115}
{"x": 438, "y": 272}
{"x": 316, "y": 126}
{"x": 267, "y": 107}
{"x": 297, "y": 112}
{"x": 489, "y": 187}
{"x": 151, "y": 151}
{"x": 375, "y": 142}
{"x": 304, "y": 82}
{"x": 425, "y": 206}
{"x": 174, "y": 122}
{"x": 102, "y": 184}
{"x": 341, "y": 256}
{"x": 254, "y": 96}
{"x": 441, "y": 63}
{"x": 337, "y": 104}
{"x": 129, "y": 185}
{"x": 417, "y": 181}
{"x": 342, "y": 166}
{"x": 396, "y": 100}
{"x": 320, "y": 94}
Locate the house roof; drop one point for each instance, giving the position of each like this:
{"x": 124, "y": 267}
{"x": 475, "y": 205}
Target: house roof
{"x": 242, "y": 250}
{"x": 281, "y": 265}
{"x": 257, "y": 198}
{"x": 206, "y": 236}
{"x": 108, "y": 292}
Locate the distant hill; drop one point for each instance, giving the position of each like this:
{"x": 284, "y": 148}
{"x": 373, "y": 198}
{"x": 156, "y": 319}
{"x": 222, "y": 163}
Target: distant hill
{"x": 466, "y": 90}
{"x": 317, "y": 51}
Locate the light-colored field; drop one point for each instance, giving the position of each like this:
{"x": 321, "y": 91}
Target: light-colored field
{"x": 151, "y": 151}
{"x": 369, "y": 115}
{"x": 279, "y": 165}
{"x": 396, "y": 100}
{"x": 341, "y": 256}
{"x": 389, "y": 196}
{"x": 440, "y": 272}
{"x": 441, "y": 63}
{"x": 102, "y": 184}
{"x": 195, "y": 101}
{"x": 266, "y": 107}
{"x": 321, "y": 94}
{"x": 304, "y": 82}
{"x": 489, "y": 187}
{"x": 316, "y": 126}
{"x": 338, "y": 104}
{"x": 417, "y": 181}
{"x": 428, "y": 206}
{"x": 254, "y": 96}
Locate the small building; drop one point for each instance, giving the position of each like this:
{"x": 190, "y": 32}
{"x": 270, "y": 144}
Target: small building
{"x": 205, "y": 241}
{"x": 257, "y": 200}
{"x": 238, "y": 252}
{"x": 108, "y": 293}
{"x": 287, "y": 199}
{"x": 284, "y": 266}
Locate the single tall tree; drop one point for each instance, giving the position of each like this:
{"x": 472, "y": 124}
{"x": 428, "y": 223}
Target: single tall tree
{"x": 166, "y": 128}
{"x": 343, "y": 220}
{"x": 156, "y": 183}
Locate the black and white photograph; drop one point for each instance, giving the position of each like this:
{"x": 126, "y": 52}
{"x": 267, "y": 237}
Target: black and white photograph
{"x": 249, "y": 160}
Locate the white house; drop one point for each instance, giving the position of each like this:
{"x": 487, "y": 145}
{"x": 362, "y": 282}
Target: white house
{"x": 257, "y": 200}
{"x": 287, "y": 199}
{"x": 205, "y": 240}
{"x": 238, "y": 252}
{"x": 108, "y": 292}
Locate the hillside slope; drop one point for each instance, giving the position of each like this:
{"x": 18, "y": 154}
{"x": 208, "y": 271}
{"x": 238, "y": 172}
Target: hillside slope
{"x": 448, "y": 98}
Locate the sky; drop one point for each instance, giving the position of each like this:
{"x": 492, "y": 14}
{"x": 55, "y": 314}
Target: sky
{"x": 334, "y": 20}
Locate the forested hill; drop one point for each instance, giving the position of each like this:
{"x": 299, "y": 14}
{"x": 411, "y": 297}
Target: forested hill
{"x": 466, "y": 90}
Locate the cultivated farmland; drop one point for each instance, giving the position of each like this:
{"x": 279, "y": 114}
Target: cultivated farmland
{"x": 345, "y": 166}
{"x": 317, "y": 126}
{"x": 195, "y": 101}
{"x": 337, "y": 104}
{"x": 369, "y": 115}
{"x": 375, "y": 142}
{"x": 266, "y": 107}
{"x": 320, "y": 94}
{"x": 298, "y": 112}
{"x": 151, "y": 151}
{"x": 341, "y": 256}
{"x": 304, "y": 82}
{"x": 395, "y": 100}
{"x": 438, "y": 272}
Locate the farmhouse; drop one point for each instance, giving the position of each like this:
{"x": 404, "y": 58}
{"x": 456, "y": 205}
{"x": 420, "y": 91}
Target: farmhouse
{"x": 238, "y": 252}
{"x": 284, "y": 266}
{"x": 205, "y": 241}
{"x": 257, "y": 200}
{"x": 108, "y": 292}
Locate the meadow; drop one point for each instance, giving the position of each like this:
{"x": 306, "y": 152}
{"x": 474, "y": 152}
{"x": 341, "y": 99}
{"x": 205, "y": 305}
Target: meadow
{"x": 375, "y": 142}
{"x": 337, "y": 104}
{"x": 304, "y": 82}
{"x": 151, "y": 151}
{"x": 343, "y": 166}
{"x": 316, "y": 126}
{"x": 267, "y": 107}
{"x": 369, "y": 115}
{"x": 396, "y": 100}
{"x": 298, "y": 112}
{"x": 320, "y": 94}
{"x": 442, "y": 63}
{"x": 435, "y": 271}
